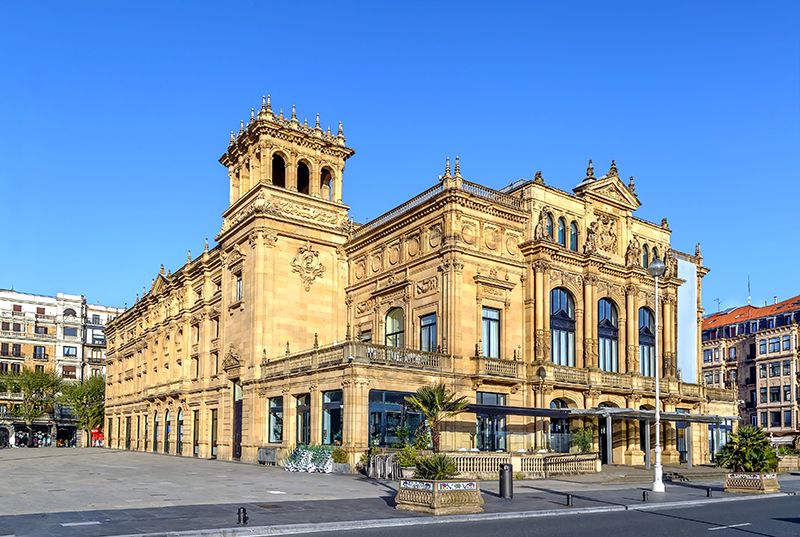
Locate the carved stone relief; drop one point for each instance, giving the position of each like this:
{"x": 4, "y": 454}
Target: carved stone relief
{"x": 308, "y": 265}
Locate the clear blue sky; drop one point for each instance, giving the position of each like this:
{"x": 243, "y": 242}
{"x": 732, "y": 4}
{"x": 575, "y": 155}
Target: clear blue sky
{"x": 113, "y": 116}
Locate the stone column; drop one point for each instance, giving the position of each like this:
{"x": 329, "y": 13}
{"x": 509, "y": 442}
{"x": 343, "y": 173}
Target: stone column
{"x": 289, "y": 419}
{"x": 356, "y": 416}
{"x": 539, "y": 268}
{"x": 588, "y": 321}
{"x": 316, "y": 414}
{"x": 291, "y": 173}
{"x": 631, "y": 330}
{"x": 337, "y": 186}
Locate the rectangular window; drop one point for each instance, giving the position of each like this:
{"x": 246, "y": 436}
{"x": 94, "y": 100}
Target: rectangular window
{"x": 787, "y": 392}
{"x": 70, "y": 331}
{"x": 275, "y": 424}
{"x": 68, "y": 371}
{"x": 716, "y": 355}
{"x": 39, "y": 352}
{"x": 71, "y": 351}
{"x": 763, "y": 416}
{"x": 3, "y": 367}
{"x": 786, "y": 343}
{"x": 708, "y": 355}
{"x": 17, "y": 327}
{"x": 763, "y": 394}
{"x": 774, "y": 344}
{"x": 754, "y": 420}
{"x": 709, "y": 378}
{"x": 3, "y": 349}
{"x": 40, "y": 369}
{"x": 303, "y": 418}
{"x": 787, "y": 367}
{"x": 238, "y": 296}
{"x": 787, "y": 418}
{"x": 214, "y": 363}
{"x": 762, "y": 371}
{"x": 5, "y": 326}
{"x": 491, "y": 332}
{"x": 490, "y": 429}
{"x": 16, "y": 350}
{"x": 15, "y": 368}
{"x": 95, "y": 319}
{"x": 195, "y": 432}
{"x": 775, "y": 418}
{"x": 41, "y": 330}
{"x": 427, "y": 333}
{"x": 753, "y": 399}
{"x": 391, "y": 420}
{"x": 775, "y": 394}
{"x": 775, "y": 369}
{"x": 762, "y": 346}
{"x": 332, "y": 417}
{"x": 365, "y": 336}
{"x": 732, "y": 353}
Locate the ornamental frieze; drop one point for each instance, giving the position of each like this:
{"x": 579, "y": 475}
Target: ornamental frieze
{"x": 288, "y": 208}
{"x": 601, "y": 235}
{"x": 426, "y": 286}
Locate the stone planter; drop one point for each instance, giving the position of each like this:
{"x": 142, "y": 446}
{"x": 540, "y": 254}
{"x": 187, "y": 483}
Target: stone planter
{"x": 341, "y": 468}
{"x": 407, "y": 472}
{"x": 446, "y": 497}
{"x": 752, "y": 483}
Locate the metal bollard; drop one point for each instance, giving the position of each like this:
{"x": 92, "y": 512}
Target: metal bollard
{"x": 644, "y": 495}
{"x": 569, "y": 500}
{"x": 708, "y": 492}
{"x": 242, "y": 517}
{"x": 506, "y": 481}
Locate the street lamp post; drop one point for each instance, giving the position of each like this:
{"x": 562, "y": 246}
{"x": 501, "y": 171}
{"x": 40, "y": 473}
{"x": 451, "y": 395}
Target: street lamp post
{"x": 656, "y": 269}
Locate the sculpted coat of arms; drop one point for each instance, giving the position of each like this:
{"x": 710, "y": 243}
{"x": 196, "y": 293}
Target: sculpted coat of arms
{"x": 306, "y": 263}
{"x": 602, "y": 235}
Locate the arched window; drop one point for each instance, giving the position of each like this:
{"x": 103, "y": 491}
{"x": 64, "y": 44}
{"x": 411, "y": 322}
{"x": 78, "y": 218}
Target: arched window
{"x": 607, "y": 333}
{"x": 166, "y": 431}
{"x": 549, "y": 225}
{"x": 69, "y": 312}
{"x": 645, "y": 256}
{"x": 326, "y": 184}
{"x": 278, "y": 171}
{"x": 155, "y": 431}
{"x": 562, "y": 327}
{"x": 573, "y": 237}
{"x": 303, "y": 178}
{"x": 655, "y": 254}
{"x": 395, "y": 323}
{"x": 559, "y": 429}
{"x": 647, "y": 342}
{"x": 562, "y": 232}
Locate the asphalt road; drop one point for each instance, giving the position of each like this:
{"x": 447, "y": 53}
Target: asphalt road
{"x": 776, "y": 517}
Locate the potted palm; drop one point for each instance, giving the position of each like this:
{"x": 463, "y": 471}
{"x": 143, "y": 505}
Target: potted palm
{"x": 751, "y": 461}
{"x": 433, "y": 488}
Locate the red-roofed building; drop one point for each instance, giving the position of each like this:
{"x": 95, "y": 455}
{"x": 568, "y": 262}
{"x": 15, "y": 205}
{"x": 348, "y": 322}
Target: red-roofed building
{"x": 756, "y": 349}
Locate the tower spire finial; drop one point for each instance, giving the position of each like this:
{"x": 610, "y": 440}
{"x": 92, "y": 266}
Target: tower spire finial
{"x": 294, "y": 112}
{"x": 161, "y": 270}
{"x": 233, "y": 137}
{"x": 458, "y": 166}
{"x": 341, "y": 130}
{"x": 612, "y": 171}
{"x": 269, "y": 103}
{"x": 631, "y": 186}
{"x": 590, "y": 170}
{"x": 241, "y": 126}
{"x": 316, "y": 126}
{"x": 447, "y": 167}
{"x": 188, "y": 256}
{"x": 305, "y": 122}
{"x": 205, "y": 248}
{"x": 252, "y": 115}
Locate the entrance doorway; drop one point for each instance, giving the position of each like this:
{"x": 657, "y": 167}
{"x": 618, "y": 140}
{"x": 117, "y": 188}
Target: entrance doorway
{"x": 491, "y": 432}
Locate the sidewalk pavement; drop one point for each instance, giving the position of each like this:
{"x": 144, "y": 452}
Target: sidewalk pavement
{"x": 531, "y": 498}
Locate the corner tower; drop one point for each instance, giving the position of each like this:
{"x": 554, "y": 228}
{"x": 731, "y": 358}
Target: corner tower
{"x": 284, "y": 268}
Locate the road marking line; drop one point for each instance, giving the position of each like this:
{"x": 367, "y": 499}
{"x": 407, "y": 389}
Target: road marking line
{"x": 731, "y": 526}
{"x": 91, "y": 523}
{"x": 275, "y": 492}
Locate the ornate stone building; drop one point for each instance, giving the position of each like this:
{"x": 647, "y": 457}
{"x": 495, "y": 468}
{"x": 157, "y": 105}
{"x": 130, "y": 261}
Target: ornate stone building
{"x": 301, "y": 326}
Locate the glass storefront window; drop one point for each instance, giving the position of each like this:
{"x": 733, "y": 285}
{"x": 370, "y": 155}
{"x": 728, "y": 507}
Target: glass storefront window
{"x": 332, "y": 417}
{"x": 490, "y": 428}
{"x": 304, "y": 419}
{"x": 276, "y": 420}
{"x": 390, "y": 419}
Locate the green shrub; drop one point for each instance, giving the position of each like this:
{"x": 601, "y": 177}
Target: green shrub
{"x": 407, "y": 457}
{"x": 422, "y": 440}
{"x": 436, "y": 467}
{"x": 582, "y": 439}
{"x": 748, "y": 450}
{"x": 339, "y": 456}
{"x": 519, "y": 476}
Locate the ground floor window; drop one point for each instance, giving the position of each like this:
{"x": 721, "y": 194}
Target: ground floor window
{"x": 391, "y": 421}
{"x": 275, "y": 420}
{"x": 166, "y": 431}
{"x": 146, "y": 439}
{"x": 214, "y": 426}
{"x": 179, "y": 443}
{"x": 155, "y": 432}
{"x": 304, "y": 418}
{"x": 559, "y": 429}
{"x": 196, "y": 433}
{"x": 332, "y": 417}
{"x": 490, "y": 427}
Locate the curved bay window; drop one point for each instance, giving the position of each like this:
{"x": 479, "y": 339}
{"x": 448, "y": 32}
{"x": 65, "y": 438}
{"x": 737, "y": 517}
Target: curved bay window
{"x": 645, "y": 256}
{"x": 395, "y": 323}
{"x": 559, "y": 429}
{"x": 647, "y": 342}
{"x": 562, "y": 327}
{"x": 608, "y": 333}
{"x": 562, "y": 232}
{"x": 392, "y": 421}
{"x": 573, "y": 237}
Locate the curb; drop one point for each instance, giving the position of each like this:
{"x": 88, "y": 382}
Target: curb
{"x": 293, "y": 529}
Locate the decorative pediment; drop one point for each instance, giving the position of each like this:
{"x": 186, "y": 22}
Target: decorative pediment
{"x": 159, "y": 284}
{"x": 232, "y": 360}
{"x": 609, "y": 189}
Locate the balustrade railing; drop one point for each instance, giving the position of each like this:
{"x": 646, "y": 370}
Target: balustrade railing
{"x": 571, "y": 375}
{"x": 492, "y": 195}
{"x": 615, "y": 380}
{"x": 497, "y": 367}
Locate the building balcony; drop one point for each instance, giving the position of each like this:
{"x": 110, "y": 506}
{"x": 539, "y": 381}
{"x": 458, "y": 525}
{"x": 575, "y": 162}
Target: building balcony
{"x": 11, "y": 396}
{"x": 497, "y": 367}
{"x": 11, "y": 334}
{"x": 354, "y": 352}
{"x": 94, "y": 361}
{"x": 41, "y": 357}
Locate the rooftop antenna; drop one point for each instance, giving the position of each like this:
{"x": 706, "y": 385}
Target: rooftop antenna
{"x": 749, "y": 302}
{"x": 718, "y": 303}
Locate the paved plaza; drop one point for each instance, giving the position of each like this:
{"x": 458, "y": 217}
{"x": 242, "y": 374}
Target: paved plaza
{"x": 100, "y": 492}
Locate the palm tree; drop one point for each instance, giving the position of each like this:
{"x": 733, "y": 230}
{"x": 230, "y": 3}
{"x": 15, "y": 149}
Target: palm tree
{"x": 437, "y": 404}
{"x": 749, "y": 450}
